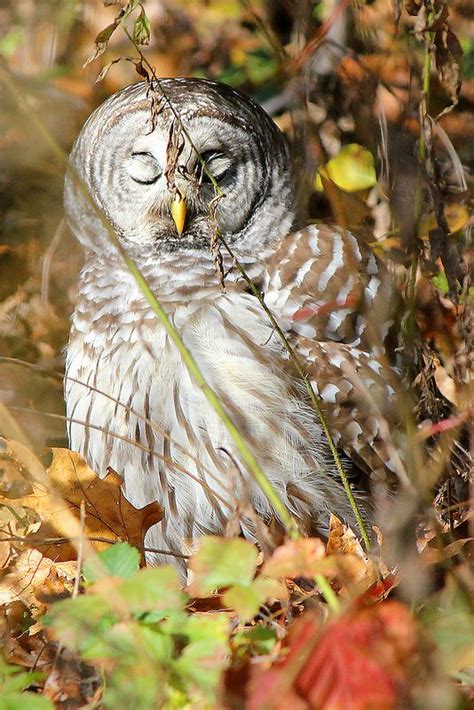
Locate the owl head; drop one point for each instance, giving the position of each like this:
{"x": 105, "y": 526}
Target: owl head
{"x": 150, "y": 160}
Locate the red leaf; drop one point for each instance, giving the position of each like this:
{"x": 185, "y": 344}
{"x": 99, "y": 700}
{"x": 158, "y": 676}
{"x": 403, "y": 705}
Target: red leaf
{"x": 363, "y": 660}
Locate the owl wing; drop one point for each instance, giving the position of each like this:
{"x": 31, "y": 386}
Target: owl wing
{"x": 335, "y": 300}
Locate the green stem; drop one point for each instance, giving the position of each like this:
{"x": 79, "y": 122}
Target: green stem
{"x": 245, "y": 453}
{"x": 328, "y": 593}
{"x": 256, "y": 292}
{"x": 426, "y": 88}
{"x": 314, "y": 399}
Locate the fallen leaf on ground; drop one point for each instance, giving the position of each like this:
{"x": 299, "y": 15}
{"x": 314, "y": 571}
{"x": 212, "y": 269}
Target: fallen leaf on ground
{"x": 30, "y": 574}
{"x": 56, "y": 497}
{"x": 220, "y": 563}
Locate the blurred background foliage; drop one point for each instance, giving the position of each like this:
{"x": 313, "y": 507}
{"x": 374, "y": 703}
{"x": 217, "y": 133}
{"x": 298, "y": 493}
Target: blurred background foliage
{"x": 369, "y": 95}
{"x": 332, "y": 74}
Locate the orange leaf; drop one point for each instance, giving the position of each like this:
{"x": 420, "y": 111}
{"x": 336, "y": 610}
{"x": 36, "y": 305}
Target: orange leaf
{"x": 354, "y": 567}
{"x": 298, "y": 558}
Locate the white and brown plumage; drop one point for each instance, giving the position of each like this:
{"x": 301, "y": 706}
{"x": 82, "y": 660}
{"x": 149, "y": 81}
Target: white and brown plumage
{"x": 131, "y": 403}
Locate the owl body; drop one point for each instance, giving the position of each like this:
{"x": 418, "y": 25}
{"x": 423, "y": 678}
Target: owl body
{"x": 131, "y": 403}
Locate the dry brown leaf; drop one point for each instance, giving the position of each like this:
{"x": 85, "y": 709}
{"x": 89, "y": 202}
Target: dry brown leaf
{"x": 57, "y": 495}
{"x": 434, "y": 555}
{"x": 24, "y": 462}
{"x": 29, "y": 575}
{"x": 54, "y": 588}
{"x": 73, "y": 683}
{"x": 19, "y": 647}
{"x": 446, "y": 384}
{"x": 342, "y": 540}
{"x": 69, "y": 681}
{"x": 448, "y": 60}
{"x": 350, "y": 211}
{"x": 5, "y": 553}
{"x": 354, "y": 567}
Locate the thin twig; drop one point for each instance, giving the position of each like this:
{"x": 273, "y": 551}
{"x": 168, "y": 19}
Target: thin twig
{"x": 47, "y": 260}
{"x": 328, "y": 593}
{"x": 47, "y": 541}
{"x": 80, "y": 548}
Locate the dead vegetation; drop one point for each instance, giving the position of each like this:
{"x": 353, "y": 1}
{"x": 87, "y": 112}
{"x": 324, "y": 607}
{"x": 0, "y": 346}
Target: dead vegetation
{"x": 380, "y": 116}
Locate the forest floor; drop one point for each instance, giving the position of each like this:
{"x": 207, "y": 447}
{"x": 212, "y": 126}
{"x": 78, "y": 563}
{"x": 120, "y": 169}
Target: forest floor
{"x": 379, "y": 99}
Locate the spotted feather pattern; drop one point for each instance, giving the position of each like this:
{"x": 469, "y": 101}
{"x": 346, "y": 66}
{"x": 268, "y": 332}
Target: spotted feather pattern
{"x": 336, "y": 301}
{"x": 325, "y": 284}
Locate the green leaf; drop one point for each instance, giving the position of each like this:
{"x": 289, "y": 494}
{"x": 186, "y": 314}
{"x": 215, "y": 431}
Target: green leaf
{"x": 141, "y": 28}
{"x": 154, "y": 617}
{"x": 245, "y": 600}
{"x": 20, "y": 681}
{"x": 139, "y": 685}
{"x": 204, "y": 658}
{"x": 119, "y": 560}
{"x": 221, "y": 563}
{"x": 159, "y": 646}
{"x": 128, "y": 640}
{"x": 153, "y": 588}
{"x": 201, "y": 663}
{"x": 450, "y": 622}
{"x": 261, "y": 66}
{"x": 13, "y": 680}
{"x": 235, "y": 76}
{"x": 127, "y": 10}
{"x": 25, "y": 701}
{"x": 198, "y": 628}
{"x": 258, "y": 641}
{"x": 453, "y": 633}
{"x": 75, "y": 620}
{"x": 352, "y": 169}
{"x": 10, "y": 41}
{"x": 440, "y": 281}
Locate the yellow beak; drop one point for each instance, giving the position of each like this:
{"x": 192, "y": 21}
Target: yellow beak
{"x": 178, "y": 211}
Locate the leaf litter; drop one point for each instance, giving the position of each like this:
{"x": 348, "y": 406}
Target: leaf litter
{"x": 251, "y": 628}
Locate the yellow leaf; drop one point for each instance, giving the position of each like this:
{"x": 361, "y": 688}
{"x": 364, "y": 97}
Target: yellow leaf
{"x": 457, "y": 216}
{"x": 381, "y": 246}
{"x": 352, "y": 169}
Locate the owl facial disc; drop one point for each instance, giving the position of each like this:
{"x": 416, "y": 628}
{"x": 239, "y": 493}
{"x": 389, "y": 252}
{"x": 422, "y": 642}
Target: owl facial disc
{"x": 148, "y": 177}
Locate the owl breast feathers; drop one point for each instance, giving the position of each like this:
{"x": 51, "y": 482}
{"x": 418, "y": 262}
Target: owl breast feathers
{"x": 131, "y": 403}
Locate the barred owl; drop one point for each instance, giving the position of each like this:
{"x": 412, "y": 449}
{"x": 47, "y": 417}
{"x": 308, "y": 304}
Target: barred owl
{"x": 146, "y": 159}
